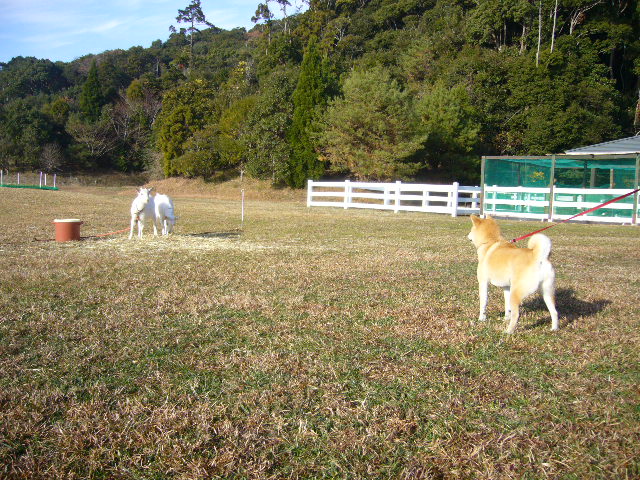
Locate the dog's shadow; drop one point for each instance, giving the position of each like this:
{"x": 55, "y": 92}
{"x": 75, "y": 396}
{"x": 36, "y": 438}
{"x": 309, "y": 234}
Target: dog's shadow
{"x": 569, "y": 307}
{"x": 229, "y": 234}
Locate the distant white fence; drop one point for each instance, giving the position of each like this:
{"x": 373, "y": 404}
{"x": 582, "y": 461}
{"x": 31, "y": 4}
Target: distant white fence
{"x": 409, "y": 197}
{"x": 516, "y": 202}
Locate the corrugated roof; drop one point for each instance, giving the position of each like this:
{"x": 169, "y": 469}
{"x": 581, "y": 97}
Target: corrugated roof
{"x": 621, "y": 146}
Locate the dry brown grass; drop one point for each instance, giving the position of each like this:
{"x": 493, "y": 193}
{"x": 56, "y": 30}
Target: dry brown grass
{"x": 303, "y": 344}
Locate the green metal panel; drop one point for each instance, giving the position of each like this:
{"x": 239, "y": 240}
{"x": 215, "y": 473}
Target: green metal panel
{"x": 562, "y": 171}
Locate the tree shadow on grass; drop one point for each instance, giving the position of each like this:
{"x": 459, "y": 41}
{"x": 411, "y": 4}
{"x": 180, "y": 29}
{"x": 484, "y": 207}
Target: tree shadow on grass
{"x": 569, "y": 307}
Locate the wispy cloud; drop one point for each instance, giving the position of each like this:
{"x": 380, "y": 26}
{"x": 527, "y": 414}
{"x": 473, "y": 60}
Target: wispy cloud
{"x": 66, "y": 29}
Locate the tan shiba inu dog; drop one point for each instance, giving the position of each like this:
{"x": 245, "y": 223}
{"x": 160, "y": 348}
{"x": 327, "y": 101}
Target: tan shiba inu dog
{"x": 519, "y": 271}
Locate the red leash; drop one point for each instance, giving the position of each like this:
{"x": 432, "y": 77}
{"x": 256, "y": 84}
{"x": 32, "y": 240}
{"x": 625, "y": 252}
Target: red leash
{"x": 107, "y": 234}
{"x": 581, "y": 213}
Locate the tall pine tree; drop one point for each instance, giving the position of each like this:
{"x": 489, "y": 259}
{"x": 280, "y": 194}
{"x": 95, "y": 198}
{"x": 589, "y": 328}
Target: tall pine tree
{"x": 310, "y": 98}
{"x": 91, "y": 97}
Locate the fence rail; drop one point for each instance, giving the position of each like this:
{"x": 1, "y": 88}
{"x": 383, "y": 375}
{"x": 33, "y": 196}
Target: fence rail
{"x": 448, "y": 199}
{"x": 515, "y": 202}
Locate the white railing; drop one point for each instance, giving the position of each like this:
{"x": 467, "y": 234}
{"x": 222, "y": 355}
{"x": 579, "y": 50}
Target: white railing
{"x": 449, "y": 199}
{"x": 5, "y": 179}
{"x": 539, "y": 204}
{"x": 514, "y": 202}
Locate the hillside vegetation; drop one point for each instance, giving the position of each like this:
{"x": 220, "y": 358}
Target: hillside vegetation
{"x": 375, "y": 89}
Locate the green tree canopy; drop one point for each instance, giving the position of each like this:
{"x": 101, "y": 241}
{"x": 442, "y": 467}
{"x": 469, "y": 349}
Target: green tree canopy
{"x": 371, "y": 131}
{"x": 186, "y": 110}
{"x": 450, "y": 129}
{"x": 309, "y": 101}
{"x": 91, "y": 97}
{"x": 265, "y": 134}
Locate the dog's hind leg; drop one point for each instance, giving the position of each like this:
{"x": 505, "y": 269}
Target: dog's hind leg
{"x": 514, "y": 299}
{"x": 548, "y": 294}
{"x": 507, "y": 303}
{"x": 483, "y": 289}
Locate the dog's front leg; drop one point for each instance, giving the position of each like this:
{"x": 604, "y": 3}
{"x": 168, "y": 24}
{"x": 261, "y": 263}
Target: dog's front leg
{"x": 483, "y": 288}
{"x": 507, "y": 303}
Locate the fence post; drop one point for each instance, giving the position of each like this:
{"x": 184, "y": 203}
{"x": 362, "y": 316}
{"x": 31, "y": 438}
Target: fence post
{"x": 309, "y": 191}
{"x": 425, "y": 196}
{"x": 18, "y": 178}
{"x": 495, "y": 197}
{"x": 40, "y": 179}
{"x": 551, "y": 195}
{"x": 1, "y": 177}
{"x": 54, "y": 180}
{"x": 634, "y": 217}
{"x": 347, "y": 193}
{"x": 242, "y": 207}
{"x": 551, "y": 184}
{"x": 454, "y": 199}
{"x": 397, "y": 199}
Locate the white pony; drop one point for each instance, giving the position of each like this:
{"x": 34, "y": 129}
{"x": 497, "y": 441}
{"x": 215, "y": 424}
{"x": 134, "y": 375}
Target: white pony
{"x": 164, "y": 216}
{"x": 142, "y": 208}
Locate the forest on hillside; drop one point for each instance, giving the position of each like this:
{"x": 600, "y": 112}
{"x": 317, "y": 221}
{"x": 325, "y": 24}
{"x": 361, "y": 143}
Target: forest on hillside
{"x": 362, "y": 89}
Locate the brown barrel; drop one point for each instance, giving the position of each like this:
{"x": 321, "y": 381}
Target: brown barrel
{"x": 67, "y": 229}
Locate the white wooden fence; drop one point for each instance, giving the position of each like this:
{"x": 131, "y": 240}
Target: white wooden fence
{"x": 514, "y": 202}
{"x": 449, "y": 199}
{"x": 540, "y": 204}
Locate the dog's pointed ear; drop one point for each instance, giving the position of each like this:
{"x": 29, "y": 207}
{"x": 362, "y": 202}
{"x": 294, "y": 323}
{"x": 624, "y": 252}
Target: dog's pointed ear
{"x": 475, "y": 219}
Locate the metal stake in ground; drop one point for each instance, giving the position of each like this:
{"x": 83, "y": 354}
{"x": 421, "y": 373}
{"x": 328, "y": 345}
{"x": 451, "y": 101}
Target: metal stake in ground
{"x": 242, "y": 209}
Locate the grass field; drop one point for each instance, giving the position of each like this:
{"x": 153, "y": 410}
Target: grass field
{"x": 308, "y": 344}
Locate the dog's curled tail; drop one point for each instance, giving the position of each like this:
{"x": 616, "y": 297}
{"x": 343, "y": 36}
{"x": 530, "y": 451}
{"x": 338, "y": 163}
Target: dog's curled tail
{"x": 541, "y": 246}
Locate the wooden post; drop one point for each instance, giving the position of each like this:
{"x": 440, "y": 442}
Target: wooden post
{"x": 612, "y": 179}
{"x": 634, "y": 216}
{"x": 387, "y": 199}
{"x": 309, "y": 192}
{"x": 397, "y": 204}
{"x": 454, "y": 199}
{"x": 425, "y": 196}
{"x": 242, "y": 209}
{"x": 551, "y": 182}
{"x": 482, "y": 162}
{"x": 347, "y": 193}
{"x": 585, "y": 166}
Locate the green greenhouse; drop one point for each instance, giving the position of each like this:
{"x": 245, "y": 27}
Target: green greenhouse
{"x": 554, "y": 187}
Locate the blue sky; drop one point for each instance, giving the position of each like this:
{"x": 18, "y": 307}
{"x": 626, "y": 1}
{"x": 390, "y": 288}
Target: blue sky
{"x": 67, "y": 29}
